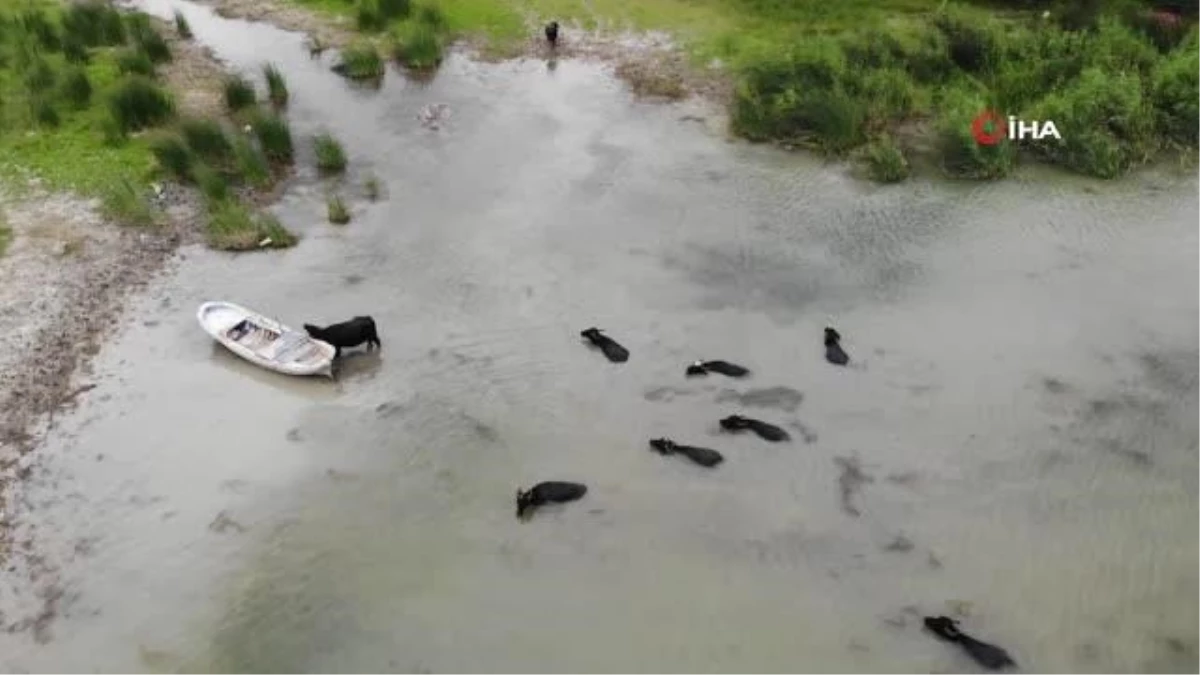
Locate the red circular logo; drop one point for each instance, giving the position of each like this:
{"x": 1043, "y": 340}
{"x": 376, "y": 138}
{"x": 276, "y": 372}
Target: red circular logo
{"x": 989, "y": 128}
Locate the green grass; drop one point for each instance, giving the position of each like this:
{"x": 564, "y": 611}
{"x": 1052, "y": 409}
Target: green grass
{"x": 252, "y": 164}
{"x": 417, "y": 44}
{"x": 85, "y": 150}
{"x": 6, "y": 235}
{"x": 127, "y": 203}
{"x": 274, "y": 137}
{"x": 331, "y": 158}
{"x": 361, "y": 61}
{"x": 90, "y": 70}
{"x": 885, "y": 161}
{"x": 182, "y": 27}
{"x": 372, "y": 188}
{"x": 338, "y": 212}
{"x": 239, "y": 93}
{"x": 277, "y": 89}
{"x": 233, "y": 226}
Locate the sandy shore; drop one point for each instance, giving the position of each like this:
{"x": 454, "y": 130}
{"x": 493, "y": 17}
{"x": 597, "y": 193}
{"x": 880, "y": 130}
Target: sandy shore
{"x": 64, "y": 280}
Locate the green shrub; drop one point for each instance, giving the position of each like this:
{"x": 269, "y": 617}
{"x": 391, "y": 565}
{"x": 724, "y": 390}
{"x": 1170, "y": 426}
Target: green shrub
{"x": 233, "y": 227}
{"x": 173, "y": 156}
{"x": 207, "y": 140}
{"x": 182, "y": 26}
{"x": 372, "y": 188}
{"x": 77, "y": 88}
{"x": 239, "y": 93}
{"x": 962, "y": 155}
{"x": 331, "y": 158}
{"x": 361, "y": 62}
{"x": 800, "y": 98}
{"x": 431, "y": 15}
{"x": 889, "y": 94}
{"x": 417, "y": 45}
{"x": 274, "y": 137}
{"x": 74, "y": 51}
{"x": 136, "y": 62}
{"x": 1117, "y": 48}
{"x": 45, "y": 113}
{"x": 94, "y": 23}
{"x": 137, "y": 103}
{"x": 277, "y": 90}
{"x": 394, "y": 9}
{"x": 338, "y": 212}
{"x": 252, "y": 165}
{"x": 40, "y": 76}
{"x": 36, "y": 24}
{"x": 1174, "y": 91}
{"x": 973, "y": 39}
{"x": 126, "y": 204}
{"x": 211, "y": 183}
{"x": 885, "y": 161}
{"x": 367, "y": 16}
{"x": 928, "y": 59}
{"x": 1041, "y": 60}
{"x": 141, "y": 31}
{"x": 1106, "y": 124}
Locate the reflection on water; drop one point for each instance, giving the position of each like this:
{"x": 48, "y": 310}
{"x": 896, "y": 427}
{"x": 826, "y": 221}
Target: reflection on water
{"x": 1018, "y": 447}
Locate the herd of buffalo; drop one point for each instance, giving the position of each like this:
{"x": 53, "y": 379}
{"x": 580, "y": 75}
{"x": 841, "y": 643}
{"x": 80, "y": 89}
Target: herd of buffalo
{"x": 988, "y": 655}
{"x": 361, "y": 329}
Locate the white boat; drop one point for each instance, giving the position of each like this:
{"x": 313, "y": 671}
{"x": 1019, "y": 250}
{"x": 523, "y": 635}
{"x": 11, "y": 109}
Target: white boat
{"x": 265, "y": 342}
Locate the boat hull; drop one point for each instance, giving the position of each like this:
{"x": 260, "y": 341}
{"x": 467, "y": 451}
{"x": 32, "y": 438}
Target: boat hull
{"x": 265, "y": 342}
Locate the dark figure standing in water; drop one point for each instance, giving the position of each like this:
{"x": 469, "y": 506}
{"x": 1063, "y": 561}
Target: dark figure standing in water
{"x": 723, "y": 367}
{"x": 833, "y": 348}
{"x": 986, "y": 655}
{"x": 552, "y": 34}
{"x": 613, "y": 351}
{"x": 554, "y": 491}
{"x": 765, "y": 430}
{"x": 701, "y": 456}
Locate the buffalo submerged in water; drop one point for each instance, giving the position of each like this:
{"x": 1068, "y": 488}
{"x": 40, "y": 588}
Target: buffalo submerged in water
{"x": 702, "y": 456}
{"x": 764, "y": 430}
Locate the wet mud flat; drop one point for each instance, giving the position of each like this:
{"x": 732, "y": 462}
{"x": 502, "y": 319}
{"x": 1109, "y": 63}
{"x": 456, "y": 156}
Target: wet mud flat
{"x": 1017, "y": 449}
{"x": 65, "y": 277}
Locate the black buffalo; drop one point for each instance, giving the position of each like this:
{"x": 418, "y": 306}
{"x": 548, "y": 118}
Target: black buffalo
{"x": 553, "y": 491}
{"x": 347, "y": 334}
{"x": 987, "y": 655}
{"x": 701, "y": 456}
{"x": 723, "y": 367}
{"x": 552, "y": 33}
{"x": 833, "y": 348}
{"x": 765, "y": 430}
{"x": 614, "y": 351}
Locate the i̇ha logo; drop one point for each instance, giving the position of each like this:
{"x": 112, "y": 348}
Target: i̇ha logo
{"x": 989, "y": 128}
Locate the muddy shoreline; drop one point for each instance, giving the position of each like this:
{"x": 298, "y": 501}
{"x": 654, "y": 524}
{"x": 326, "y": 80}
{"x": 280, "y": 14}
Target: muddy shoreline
{"x": 64, "y": 282}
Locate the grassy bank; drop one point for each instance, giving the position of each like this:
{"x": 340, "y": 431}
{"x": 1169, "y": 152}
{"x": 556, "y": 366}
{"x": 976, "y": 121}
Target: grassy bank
{"x": 84, "y": 107}
{"x": 875, "y": 79}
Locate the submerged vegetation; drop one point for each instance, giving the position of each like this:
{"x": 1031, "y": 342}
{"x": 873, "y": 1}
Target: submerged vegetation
{"x": 331, "y": 158}
{"x": 182, "y": 27}
{"x": 361, "y": 61}
{"x": 277, "y": 89}
{"x": 1119, "y": 78}
{"x": 83, "y": 107}
{"x": 338, "y": 212}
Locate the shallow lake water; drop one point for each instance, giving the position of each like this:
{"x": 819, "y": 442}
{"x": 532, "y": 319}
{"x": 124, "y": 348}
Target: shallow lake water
{"x": 1015, "y": 441}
